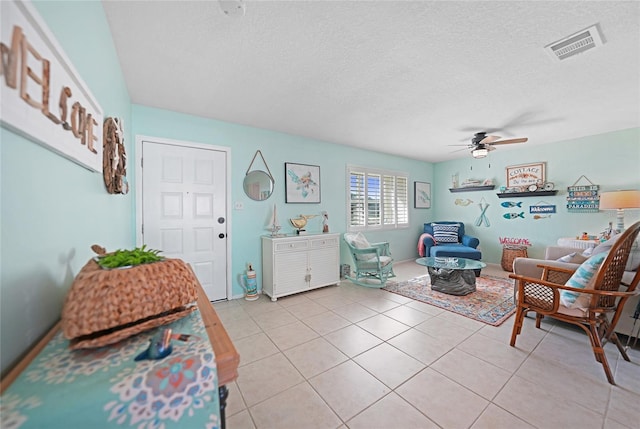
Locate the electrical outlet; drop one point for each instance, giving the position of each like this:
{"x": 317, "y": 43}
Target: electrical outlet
{"x": 238, "y": 205}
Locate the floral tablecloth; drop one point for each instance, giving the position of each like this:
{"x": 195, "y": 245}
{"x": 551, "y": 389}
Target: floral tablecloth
{"x": 105, "y": 387}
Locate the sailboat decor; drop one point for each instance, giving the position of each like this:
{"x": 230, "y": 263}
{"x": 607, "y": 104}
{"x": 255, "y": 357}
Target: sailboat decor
{"x": 275, "y": 226}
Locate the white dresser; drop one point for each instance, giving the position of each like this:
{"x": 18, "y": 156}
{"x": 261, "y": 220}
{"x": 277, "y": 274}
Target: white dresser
{"x": 297, "y": 263}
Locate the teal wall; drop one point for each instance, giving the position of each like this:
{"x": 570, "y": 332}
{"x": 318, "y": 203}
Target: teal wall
{"x": 610, "y": 160}
{"x": 277, "y": 148}
{"x": 53, "y": 210}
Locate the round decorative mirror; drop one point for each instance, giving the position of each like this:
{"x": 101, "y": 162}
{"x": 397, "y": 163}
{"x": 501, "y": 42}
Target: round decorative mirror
{"x": 258, "y": 185}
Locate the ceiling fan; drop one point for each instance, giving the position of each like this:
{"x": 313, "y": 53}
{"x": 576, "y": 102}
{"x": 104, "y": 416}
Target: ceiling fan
{"x": 481, "y": 143}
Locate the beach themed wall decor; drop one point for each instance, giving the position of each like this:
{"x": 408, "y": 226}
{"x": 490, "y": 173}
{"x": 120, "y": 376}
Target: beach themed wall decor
{"x": 514, "y": 208}
{"x": 513, "y": 215}
{"x": 42, "y": 96}
{"x": 583, "y": 198}
{"x": 462, "y": 202}
{"x": 514, "y": 241}
{"x": 524, "y": 175}
{"x": 483, "y": 219}
{"x": 302, "y": 183}
{"x": 421, "y": 195}
{"x": 542, "y": 210}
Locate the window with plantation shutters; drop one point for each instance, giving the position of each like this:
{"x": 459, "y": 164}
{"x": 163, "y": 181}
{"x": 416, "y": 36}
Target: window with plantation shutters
{"x": 357, "y": 199}
{"x": 377, "y": 199}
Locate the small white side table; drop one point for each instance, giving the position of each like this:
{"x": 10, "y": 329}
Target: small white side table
{"x": 576, "y": 243}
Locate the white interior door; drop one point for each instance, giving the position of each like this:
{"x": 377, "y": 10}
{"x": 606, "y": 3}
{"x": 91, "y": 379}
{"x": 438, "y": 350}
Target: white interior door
{"x": 184, "y": 209}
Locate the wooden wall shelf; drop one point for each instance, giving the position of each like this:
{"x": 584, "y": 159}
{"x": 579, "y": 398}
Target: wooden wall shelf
{"x": 527, "y": 194}
{"x": 473, "y": 188}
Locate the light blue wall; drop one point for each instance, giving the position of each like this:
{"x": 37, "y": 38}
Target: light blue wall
{"x": 277, "y": 148}
{"x": 53, "y": 210}
{"x": 610, "y": 160}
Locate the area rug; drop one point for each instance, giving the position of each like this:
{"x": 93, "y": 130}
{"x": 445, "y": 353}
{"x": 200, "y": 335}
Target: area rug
{"x": 491, "y": 303}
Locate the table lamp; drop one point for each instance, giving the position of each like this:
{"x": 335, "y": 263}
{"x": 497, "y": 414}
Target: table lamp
{"x": 620, "y": 200}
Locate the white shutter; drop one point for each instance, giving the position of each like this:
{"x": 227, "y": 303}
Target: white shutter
{"x": 402, "y": 200}
{"x": 357, "y": 198}
{"x": 389, "y": 200}
{"x": 373, "y": 199}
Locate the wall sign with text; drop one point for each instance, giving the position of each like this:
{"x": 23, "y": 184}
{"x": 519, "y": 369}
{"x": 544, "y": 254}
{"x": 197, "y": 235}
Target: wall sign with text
{"x": 42, "y": 95}
{"x": 583, "y": 198}
{"x": 525, "y": 175}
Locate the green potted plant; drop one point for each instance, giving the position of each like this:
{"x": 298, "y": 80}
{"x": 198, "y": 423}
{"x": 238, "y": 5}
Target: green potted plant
{"x": 128, "y": 258}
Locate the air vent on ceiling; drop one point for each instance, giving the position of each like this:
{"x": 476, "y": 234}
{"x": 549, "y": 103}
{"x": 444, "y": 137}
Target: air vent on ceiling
{"x": 575, "y": 44}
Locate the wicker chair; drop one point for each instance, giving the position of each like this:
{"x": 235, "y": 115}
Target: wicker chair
{"x": 604, "y": 308}
{"x": 373, "y": 261}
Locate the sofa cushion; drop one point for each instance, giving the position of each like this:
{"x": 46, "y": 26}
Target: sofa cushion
{"x": 572, "y": 258}
{"x": 372, "y": 263}
{"x": 454, "y": 250}
{"x": 581, "y": 279}
{"x": 445, "y": 233}
{"x": 567, "y": 258}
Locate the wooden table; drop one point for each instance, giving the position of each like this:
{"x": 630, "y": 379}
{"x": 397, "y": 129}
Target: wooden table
{"x": 226, "y": 356}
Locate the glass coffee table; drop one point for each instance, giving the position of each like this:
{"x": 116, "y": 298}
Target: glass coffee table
{"x": 454, "y": 276}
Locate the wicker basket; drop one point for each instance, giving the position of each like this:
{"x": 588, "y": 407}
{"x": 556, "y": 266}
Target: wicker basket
{"x": 510, "y": 253}
{"x": 105, "y": 306}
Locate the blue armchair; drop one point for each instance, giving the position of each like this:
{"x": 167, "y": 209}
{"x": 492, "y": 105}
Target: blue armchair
{"x": 448, "y": 239}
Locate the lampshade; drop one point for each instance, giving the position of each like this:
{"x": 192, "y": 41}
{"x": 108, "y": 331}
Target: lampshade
{"x": 620, "y": 200}
{"x": 479, "y": 153}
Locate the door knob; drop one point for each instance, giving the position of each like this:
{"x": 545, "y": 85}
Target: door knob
{"x": 221, "y": 235}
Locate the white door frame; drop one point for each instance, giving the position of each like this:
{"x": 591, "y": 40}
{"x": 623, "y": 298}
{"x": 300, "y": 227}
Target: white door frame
{"x": 138, "y": 191}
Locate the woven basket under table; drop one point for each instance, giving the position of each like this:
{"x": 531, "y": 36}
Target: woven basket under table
{"x": 106, "y": 306}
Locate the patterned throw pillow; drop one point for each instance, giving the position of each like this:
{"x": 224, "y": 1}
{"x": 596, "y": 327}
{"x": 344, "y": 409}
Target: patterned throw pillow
{"x": 445, "y": 233}
{"x": 580, "y": 279}
{"x": 567, "y": 258}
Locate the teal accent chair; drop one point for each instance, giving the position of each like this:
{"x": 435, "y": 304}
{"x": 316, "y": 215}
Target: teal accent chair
{"x": 373, "y": 261}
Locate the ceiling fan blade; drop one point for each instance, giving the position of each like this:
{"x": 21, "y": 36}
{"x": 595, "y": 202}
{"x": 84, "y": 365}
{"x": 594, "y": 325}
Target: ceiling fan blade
{"x": 475, "y": 129}
{"x": 489, "y": 139}
{"x": 458, "y": 150}
{"x": 510, "y": 141}
{"x": 467, "y": 145}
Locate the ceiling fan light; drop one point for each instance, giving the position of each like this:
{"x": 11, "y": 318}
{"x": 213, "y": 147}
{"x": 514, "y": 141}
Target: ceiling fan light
{"x": 480, "y": 153}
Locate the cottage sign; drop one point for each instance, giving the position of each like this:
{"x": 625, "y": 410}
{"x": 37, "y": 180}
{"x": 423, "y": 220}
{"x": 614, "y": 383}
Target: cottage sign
{"x": 42, "y": 96}
{"x": 521, "y": 176}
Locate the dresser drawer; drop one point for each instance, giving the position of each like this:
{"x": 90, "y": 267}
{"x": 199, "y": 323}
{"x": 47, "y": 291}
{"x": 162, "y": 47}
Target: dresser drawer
{"x": 283, "y": 246}
{"x": 319, "y": 243}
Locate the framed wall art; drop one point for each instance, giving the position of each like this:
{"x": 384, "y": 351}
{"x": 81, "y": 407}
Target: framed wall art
{"x": 421, "y": 195}
{"x": 302, "y": 183}
{"x": 524, "y": 175}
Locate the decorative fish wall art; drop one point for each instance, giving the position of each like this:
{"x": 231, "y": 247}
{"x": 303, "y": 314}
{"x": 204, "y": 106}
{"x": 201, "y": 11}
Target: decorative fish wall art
{"x": 509, "y": 204}
{"x": 461, "y": 202}
{"x": 513, "y": 215}
{"x": 537, "y": 217}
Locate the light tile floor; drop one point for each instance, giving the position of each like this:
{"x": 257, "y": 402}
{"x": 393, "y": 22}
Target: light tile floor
{"x": 354, "y": 357}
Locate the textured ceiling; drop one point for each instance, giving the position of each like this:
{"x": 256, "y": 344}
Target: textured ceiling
{"x": 406, "y": 78}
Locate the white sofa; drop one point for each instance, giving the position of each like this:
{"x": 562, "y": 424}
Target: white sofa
{"x": 529, "y": 267}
